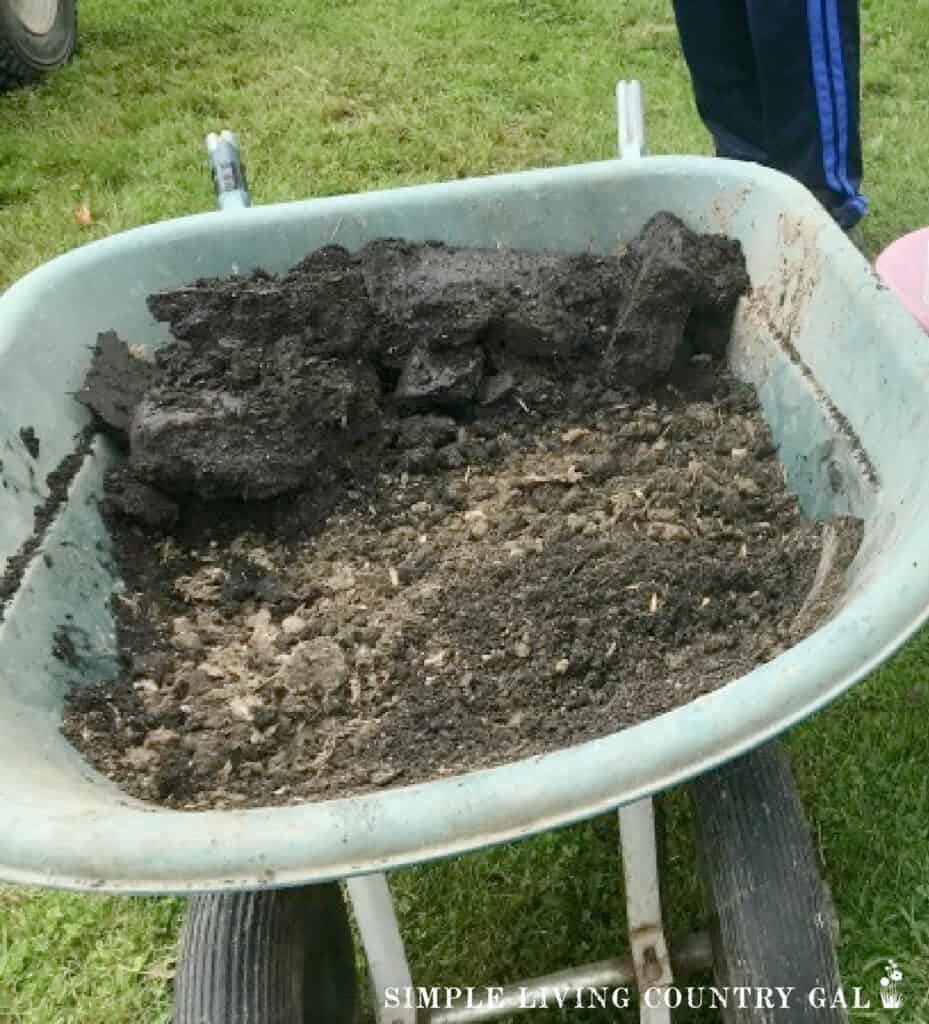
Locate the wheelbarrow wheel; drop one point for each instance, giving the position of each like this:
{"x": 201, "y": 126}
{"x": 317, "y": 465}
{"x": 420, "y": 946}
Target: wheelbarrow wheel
{"x": 35, "y": 35}
{"x": 773, "y": 918}
{"x": 279, "y": 956}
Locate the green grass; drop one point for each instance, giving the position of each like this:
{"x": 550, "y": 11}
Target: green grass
{"x": 72, "y": 959}
{"x": 345, "y": 96}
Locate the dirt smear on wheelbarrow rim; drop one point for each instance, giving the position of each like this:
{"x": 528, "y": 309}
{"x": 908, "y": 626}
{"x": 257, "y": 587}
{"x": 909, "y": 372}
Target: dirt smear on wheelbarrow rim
{"x": 500, "y": 527}
{"x": 58, "y": 482}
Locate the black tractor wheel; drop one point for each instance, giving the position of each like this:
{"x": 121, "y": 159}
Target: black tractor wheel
{"x": 35, "y": 35}
{"x": 773, "y": 918}
{"x": 279, "y": 956}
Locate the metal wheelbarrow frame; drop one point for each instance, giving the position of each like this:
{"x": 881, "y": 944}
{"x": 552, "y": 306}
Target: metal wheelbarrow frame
{"x": 843, "y": 376}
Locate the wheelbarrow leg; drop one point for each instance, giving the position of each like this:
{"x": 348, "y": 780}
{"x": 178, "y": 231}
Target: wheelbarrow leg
{"x": 643, "y": 910}
{"x": 774, "y": 921}
{"x": 383, "y": 945}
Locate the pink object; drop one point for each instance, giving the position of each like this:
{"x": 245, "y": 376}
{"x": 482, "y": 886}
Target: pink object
{"x": 904, "y": 267}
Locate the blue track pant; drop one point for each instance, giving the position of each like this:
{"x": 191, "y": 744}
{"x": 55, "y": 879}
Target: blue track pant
{"x": 776, "y": 81}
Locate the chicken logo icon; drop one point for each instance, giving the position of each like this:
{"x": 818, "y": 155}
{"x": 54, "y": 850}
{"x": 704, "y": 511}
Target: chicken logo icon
{"x": 890, "y": 992}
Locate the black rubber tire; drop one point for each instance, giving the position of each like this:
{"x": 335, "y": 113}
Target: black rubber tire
{"x": 774, "y": 923}
{"x": 24, "y": 56}
{"x": 279, "y": 956}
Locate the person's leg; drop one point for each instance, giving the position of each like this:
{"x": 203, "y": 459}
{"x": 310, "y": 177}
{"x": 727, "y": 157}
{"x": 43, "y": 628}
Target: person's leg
{"x": 807, "y": 56}
{"x": 717, "y": 46}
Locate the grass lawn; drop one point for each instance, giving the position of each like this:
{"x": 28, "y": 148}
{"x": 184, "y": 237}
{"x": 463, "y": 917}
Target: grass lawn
{"x": 345, "y": 95}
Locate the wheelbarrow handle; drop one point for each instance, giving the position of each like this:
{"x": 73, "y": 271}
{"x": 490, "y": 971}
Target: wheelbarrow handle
{"x": 227, "y": 170}
{"x": 630, "y": 119}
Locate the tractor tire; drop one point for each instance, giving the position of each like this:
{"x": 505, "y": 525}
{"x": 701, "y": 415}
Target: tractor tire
{"x": 35, "y": 36}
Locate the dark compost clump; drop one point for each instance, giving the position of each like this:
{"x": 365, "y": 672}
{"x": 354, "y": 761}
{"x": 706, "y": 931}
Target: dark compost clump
{"x": 419, "y": 509}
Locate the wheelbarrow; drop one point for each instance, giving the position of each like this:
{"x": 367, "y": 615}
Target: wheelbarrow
{"x": 842, "y": 374}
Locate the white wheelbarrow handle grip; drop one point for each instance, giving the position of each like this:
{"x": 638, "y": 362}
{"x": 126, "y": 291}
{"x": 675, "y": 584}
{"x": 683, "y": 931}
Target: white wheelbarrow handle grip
{"x": 630, "y": 119}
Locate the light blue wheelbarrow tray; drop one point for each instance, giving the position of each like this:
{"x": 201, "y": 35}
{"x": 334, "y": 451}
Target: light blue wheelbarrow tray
{"x": 843, "y": 376}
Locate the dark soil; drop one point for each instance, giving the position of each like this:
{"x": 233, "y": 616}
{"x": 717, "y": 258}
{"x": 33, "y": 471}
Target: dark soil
{"x": 419, "y": 510}
{"x": 31, "y": 440}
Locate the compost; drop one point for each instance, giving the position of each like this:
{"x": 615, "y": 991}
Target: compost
{"x": 415, "y": 510}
